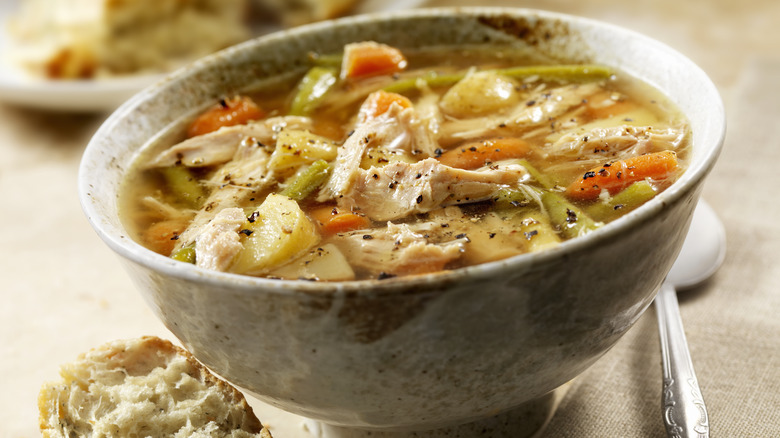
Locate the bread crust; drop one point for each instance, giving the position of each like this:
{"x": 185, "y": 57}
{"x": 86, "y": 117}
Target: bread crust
{"x": 127, "y": 377}
{"x": 297, "y": 12}
{"x": 85, "y": 39}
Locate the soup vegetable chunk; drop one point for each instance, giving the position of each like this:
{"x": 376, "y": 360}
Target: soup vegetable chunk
{"x": 379, "y": 162}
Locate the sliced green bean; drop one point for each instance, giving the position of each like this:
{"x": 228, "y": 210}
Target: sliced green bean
{"x": 628, "y": 199}
{"x": 538, "y": 176}
{"x": 185, "y": 254}
{"x": 569, "y": 219}
{"x": 332, "y": 61}
{"x": 570, "y": 72}
{"x": 431, "y": 79}
{"x": 312, "y": 90}
{"x": 508, "y": 198}
{"x": 184, "y": 185}
{"x": 308, "y": 180}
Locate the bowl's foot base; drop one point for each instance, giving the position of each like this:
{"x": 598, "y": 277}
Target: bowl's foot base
{"x": 522, "y": 422}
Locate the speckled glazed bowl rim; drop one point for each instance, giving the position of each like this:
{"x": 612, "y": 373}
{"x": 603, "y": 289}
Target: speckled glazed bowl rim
{"x": 117, "y": 240}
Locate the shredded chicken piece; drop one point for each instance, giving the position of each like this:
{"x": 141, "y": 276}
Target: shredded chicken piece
{"x": 425, "y": 127}
{"x": 220, "y": 146}
{"x": 161, "y": 210}
{"x": 246, "y": 176}
{"x": 599, "y": 144}
{"x": 538, "y": 109}
{"x": 397, "y": 129}
{"x": 217, "y": 242}
{"x": 399, "y": 189}
{"x": 601, "y": 141}
{"x": 398, "y": 249}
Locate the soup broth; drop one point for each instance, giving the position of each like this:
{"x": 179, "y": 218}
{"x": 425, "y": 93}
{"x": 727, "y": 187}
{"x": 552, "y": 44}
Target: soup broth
{"x": 378, "y": 163}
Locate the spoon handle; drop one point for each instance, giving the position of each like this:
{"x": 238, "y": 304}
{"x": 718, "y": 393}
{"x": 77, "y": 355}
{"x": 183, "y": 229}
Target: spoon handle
{"x": 684, "y": 413}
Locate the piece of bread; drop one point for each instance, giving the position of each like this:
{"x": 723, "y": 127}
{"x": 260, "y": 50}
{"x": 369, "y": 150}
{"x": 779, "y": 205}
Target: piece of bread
{"x": 85, "y": 39}
{"x": 144, "y": 387}
{"x": 296, "y": 12}
{"x": 82, "y": 39}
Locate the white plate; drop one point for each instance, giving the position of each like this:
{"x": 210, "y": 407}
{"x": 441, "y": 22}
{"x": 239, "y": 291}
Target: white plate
{"x": 19, "y": 87}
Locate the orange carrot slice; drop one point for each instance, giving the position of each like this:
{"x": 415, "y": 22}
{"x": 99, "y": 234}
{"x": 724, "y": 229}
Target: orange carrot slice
{"x": 161, "y": 236}
{"x": 482, "y": 153}
{"x": 230, "y": 112}
{"x": 368, "y": 58}
{"x": 333, "y": 221}
{"x": 378, "y": 102}
{"x": 618, "y": 175}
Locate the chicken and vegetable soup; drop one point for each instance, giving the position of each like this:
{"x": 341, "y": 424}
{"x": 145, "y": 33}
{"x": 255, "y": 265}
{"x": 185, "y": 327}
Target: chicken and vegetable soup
{"x": 379, "y": 162}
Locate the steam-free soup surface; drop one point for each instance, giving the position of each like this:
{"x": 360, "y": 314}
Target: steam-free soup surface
{"x": 379, "y": 162}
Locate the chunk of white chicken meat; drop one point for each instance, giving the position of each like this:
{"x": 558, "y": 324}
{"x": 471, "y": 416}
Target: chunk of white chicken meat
{"x": 233, "y": 185}
{"x": 542, "y": 107}
{"x": 160, "y": 210}
{"x": 396, "y": 129}
{"x": 400, "y": 189}
{"x": 217, "y": 242}
{"x": 596, "y": 145}
{"x": 425, "y": 124}
{"x": 398, "y": 249}
{"x": 220, "y": 146}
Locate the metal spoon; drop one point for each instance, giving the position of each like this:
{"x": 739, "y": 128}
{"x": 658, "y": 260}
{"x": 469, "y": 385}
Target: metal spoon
{"x": 702, "y": 253}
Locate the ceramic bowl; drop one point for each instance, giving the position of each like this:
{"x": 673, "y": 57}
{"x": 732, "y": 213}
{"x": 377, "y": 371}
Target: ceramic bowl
{"x": 427, "y": 351}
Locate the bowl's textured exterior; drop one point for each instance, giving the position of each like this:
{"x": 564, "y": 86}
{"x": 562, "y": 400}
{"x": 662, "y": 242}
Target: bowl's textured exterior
{"x": 428, "y": 351}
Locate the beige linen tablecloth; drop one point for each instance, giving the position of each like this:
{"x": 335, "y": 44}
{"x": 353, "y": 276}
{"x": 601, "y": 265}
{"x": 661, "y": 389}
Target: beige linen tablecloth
{"x": 64, "y": 291}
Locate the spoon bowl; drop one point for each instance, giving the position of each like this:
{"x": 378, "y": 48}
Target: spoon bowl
{"x": 702, "y": 253}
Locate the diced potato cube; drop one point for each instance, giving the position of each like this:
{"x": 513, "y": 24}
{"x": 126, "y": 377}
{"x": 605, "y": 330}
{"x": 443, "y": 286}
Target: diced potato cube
{"x": 480, "y": 93}
{"x": 281, "y": 232}
{"x": 491, "y": 238}
{"x": 320, "y": 263}
{"x": 296, "y": 148}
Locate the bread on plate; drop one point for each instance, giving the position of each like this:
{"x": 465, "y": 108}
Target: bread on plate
{"x": 84, "y": 39}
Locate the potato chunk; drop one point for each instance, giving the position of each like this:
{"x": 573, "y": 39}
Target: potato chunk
{"x": 480, "y": 93}
{"x": 321, "y": 263}
{"x": 280, "y": 232}
{"x": 296, "y": 148}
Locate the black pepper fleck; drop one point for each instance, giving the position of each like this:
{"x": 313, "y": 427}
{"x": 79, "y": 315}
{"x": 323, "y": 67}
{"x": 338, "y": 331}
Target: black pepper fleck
{"x": 588, "y": 175}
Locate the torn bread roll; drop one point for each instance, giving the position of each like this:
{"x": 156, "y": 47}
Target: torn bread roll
{"x": 296, "y": 12}
{"x": 144, "y": 387}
